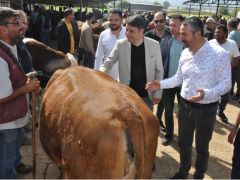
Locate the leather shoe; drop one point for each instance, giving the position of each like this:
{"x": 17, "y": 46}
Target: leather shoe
{"x": 179, "y": 175}
{"x": 24, "y": 169}
{"x": 166, "y": 141}
{"x": 198, "y": 176}
{"x": 223, "y": 117}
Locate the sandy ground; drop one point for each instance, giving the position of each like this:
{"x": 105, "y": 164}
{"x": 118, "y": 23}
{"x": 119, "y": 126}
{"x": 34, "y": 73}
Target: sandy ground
{"x": 167, "y": 157}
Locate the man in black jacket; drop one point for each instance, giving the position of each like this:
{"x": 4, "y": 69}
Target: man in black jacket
{"x": 171, "y": 48}
{"x": 158, "y": 33}
{"x": 66, "y": 33}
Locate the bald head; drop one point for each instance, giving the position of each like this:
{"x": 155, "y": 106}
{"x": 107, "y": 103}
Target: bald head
{"x": 160, "y": 14}
{"x": 24, "y": 23}
{"x": 159, "y": 21}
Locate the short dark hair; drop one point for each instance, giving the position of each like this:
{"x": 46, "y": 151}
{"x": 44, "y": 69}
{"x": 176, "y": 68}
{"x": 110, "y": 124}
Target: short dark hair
{"x": 233, "y": 22}
{"x": 90, "y": 15}
{"x": 222, "y": 27}
{"x": 116, "y": 11}
{"x": 177, "y": 16}
{"x": 6, "y": 13}
{"x": 195, "y": 23}
{"x": 136, "y": 21}
{"x": 68, "y": 12}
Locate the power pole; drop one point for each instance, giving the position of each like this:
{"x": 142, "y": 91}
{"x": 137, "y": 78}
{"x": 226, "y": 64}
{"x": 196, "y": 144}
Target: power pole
{"x": 21, "y": 4}
{"x": 190, "y": 8}
{"x": 217, "y": 7}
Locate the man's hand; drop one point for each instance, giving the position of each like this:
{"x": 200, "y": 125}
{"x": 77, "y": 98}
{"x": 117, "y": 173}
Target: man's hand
{"x": 32, "y": 85}
{"x": 198, "y": 97}
{"x": 156, "y": 101}
{"x": 153, "y": 85}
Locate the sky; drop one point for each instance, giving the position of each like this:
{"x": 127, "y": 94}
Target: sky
{"x": 172, "y": 2}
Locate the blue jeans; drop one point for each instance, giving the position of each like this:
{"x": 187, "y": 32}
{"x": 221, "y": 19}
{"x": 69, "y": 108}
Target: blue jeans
{"x": 10, "y": 157}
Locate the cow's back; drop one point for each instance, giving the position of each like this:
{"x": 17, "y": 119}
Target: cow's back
{"x": 94, "y": 127}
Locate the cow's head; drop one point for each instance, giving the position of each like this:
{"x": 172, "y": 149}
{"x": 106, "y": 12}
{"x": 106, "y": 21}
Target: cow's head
{"x": 47, "y": 60}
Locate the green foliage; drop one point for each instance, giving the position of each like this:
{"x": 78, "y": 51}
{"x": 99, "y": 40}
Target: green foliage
{"x": 166, "y": 5}
{"x": 223, "y": 10}
{"x": 125, "y": 4}
{"x": 185, "y": 13}
{"x": 157, "y": 3}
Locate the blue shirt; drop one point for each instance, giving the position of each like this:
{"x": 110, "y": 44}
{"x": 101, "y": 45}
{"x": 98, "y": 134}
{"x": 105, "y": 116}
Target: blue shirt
{"x": 235, "y": 35}
{"x": 175, "y": 53}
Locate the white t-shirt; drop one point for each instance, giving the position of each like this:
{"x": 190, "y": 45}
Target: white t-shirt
{"x": 6, "y": 90}
{"x": 106, "y": 43}
{"x": 230, "y": 46}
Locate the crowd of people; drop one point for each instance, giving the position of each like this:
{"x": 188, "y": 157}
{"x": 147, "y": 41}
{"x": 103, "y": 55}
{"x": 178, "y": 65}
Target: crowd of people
{"x": 158, "y": 56}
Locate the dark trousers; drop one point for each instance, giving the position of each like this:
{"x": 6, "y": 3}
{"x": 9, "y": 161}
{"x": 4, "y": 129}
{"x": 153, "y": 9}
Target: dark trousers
{"x": 236, "y": 158}
{"x": 201, "y": 119}
{"x": 148, "y": 102}
{"x": 236, "y": 79}
{"x": 223, "y": 102}
{"x": 88, "y": 59}
{"x": 167, "y": 103}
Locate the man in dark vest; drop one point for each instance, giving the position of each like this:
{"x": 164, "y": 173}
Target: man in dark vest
{"x": 14, "y": 87}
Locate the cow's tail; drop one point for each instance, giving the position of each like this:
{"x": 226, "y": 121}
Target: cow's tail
{"x": 139, "y": 161}
{"x": 129, "y": 164}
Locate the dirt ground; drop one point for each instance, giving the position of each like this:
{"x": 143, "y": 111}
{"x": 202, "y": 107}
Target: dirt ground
{"x": 167, "y": 157}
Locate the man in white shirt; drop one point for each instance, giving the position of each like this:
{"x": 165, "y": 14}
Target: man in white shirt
{"x": 14, "y": 87}
{"x": 205, "y": 74}
{"x": 231, "y": 47}
{"x": 108, "y": 39}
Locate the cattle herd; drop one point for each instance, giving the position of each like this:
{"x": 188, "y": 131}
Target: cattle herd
{"x": 90, "y": 125}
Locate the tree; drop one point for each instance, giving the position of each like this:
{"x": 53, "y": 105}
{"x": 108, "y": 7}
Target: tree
{"x": 125, "y": 5}
{"x": 223, "y": 10}
{"x": 166, "y": 5}
{"x": 157, "y": 3}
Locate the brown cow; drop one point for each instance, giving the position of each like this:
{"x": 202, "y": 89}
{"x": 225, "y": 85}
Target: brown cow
{"x": 47, "y": 60}
{"x": 95, "y": 127}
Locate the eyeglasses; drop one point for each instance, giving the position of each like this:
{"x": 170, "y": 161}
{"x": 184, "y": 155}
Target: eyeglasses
{"x": 13, "y": 23}
{"x": 25, "y": 23}
{"x": 159, "y": 21}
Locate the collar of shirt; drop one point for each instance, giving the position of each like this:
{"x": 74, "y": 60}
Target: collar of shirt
{"x": 201, "y": 50}
{"x": 121, "y": 33}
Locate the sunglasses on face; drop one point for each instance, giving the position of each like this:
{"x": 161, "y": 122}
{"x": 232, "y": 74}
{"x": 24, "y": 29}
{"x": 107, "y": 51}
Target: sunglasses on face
{"x": 159, "y": 21}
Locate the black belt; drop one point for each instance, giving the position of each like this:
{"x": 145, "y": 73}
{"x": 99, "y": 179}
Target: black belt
{"x": 198, "y": 105}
